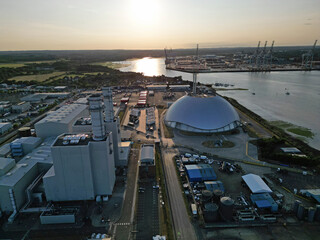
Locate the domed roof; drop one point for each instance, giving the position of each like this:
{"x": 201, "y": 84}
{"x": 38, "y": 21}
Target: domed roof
{"x": 202, "y": 114}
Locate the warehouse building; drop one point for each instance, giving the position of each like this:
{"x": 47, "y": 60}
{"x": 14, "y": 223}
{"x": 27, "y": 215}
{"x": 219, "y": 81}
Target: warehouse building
{"x": 18, "y": 176}
{"x": 147, "y": 161}
{"x": 256, "y": 184}
{"x": 24, "y": 145}
{"x": 202, "y": 114}
{"x": 61, "y": 120}
{"x": 21, "y": 107}
{"x": 200, "y": 173}
{"x": 5, "y": 127}
{"x": 264, "y": 201}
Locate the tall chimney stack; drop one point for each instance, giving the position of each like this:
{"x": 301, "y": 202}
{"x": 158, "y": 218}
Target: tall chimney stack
{"x": 95, "y": 107}
{"x": 108, "y": 104}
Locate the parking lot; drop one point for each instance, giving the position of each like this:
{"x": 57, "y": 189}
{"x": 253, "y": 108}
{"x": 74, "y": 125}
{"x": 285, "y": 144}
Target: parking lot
{"x": 147, "y": 211}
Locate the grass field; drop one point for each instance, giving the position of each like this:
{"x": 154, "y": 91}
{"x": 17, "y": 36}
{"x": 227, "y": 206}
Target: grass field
{"x": 11, "y": 65}
{"x": 297, "y": 130}
{"x": 21, "y": 64}
{"x": 38, "y": 78}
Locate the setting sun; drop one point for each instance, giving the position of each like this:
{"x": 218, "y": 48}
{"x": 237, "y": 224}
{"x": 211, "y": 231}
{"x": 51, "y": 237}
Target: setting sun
{"x": 144, "y": 12}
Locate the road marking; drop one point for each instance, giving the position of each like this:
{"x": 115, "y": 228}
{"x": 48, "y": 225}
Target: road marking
{"x": 122, "y": 224}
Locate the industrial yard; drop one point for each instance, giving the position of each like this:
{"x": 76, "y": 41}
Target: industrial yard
{"x": 213, "y": 184}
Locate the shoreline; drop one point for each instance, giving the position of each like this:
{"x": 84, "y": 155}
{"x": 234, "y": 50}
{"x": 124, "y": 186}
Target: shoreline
{"x": 244, "y": 70}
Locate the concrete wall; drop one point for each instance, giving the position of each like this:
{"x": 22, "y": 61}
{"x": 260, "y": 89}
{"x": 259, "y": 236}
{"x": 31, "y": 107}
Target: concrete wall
{"x": 49, "y": 129}
{"x": 81, "y": 172}
{"x": 103, "y": 169}
{"x": 73, "y": 174}
{"x": 19, "y": 190}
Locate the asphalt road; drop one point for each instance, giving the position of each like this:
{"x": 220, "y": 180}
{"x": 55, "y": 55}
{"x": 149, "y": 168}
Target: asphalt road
{"x": 124, "y": 224}
{"x": 182, "y": 225}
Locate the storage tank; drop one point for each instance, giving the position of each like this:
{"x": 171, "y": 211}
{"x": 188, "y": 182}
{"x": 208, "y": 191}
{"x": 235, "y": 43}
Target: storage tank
{"x": 210, "y": 212}
{"x": 296, "y": 205}
{"x": 217, "y": 194}
{"x": 226, "y": 208}
{"x": 300, "y": 213}
{"x": 317, "y": 214}
{"x": 206, "y": 196}
{"x": 24, "y": 132}
{"x": 311, "y": 214}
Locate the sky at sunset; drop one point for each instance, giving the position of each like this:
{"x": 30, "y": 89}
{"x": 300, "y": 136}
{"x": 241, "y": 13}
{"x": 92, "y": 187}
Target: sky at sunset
{"x": 155, "y": 24}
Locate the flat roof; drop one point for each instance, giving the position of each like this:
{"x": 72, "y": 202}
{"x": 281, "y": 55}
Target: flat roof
{"x": 73, "y": 139}
{"x": 5, "y": 162}
{"x": 2, "y": 124}
{"x": 41, "y": 154}
{"x": 290, "y": 150}
{"x": 65, "y": 114}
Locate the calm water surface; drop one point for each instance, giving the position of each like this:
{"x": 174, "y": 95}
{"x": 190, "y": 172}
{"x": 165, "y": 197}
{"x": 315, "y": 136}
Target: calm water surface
{"x": 301, "y": 107}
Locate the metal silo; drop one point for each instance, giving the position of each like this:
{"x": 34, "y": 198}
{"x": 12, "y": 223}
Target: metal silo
{"x": 317, "y": 214}
{"x": 296, "y": 205}
{"x": 226, "y": 208}
{"x": 301, "y": 212}
{"x": 210, "y": 212}
{"x": 311, "y": 214}
{"x": 206, "y": 196}
{"x": 217, "y": 194}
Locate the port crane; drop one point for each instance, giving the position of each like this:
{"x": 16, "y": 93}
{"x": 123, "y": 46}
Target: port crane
{"x": 267, "y": 58}
{"x": 307, "y": 58}
{"x": 255, "y": 55}
{"x": 260, "y": 58}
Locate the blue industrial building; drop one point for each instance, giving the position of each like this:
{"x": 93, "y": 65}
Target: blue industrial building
{"x": 214, "y": 185}
{"x": 200, "y": 173}
{"x": 264, "y": 201}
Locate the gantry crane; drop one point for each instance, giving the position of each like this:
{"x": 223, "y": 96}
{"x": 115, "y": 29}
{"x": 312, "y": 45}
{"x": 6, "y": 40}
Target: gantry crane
{"x": 307, "y": 58}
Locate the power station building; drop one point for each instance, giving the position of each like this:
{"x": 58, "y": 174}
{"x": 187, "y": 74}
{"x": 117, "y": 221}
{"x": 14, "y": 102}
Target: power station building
{"x": 83, "y": 164}
{"x": 61, "y": 120}
{"x": 202, "y": 114}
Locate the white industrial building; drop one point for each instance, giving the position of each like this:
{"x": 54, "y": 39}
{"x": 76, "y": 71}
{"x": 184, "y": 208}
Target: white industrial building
{"x": 61, "y": 120}
{"x": 21, "y": 107}
{"x": 27, "y": 144}
{"x": 256, "y": 184}
{"x": 147, "y": 154}
{"x": 17, "y": 177}
{"x": 5, "y": 127}
{"x": 83, "y": 164}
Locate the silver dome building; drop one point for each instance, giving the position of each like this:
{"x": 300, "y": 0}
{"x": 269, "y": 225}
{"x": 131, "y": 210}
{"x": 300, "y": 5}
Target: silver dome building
{"x": 203, "y": 114}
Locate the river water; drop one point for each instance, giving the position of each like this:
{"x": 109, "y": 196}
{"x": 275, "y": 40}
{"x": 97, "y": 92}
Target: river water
{"x": 270, "y": 101}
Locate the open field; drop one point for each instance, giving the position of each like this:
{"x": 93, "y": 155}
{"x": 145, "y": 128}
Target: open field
{"x": 11, "y": 65}
{"x": 38, "y": 78}
{"x": 21, "y": 64}
{"x": 289, "y": 127}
